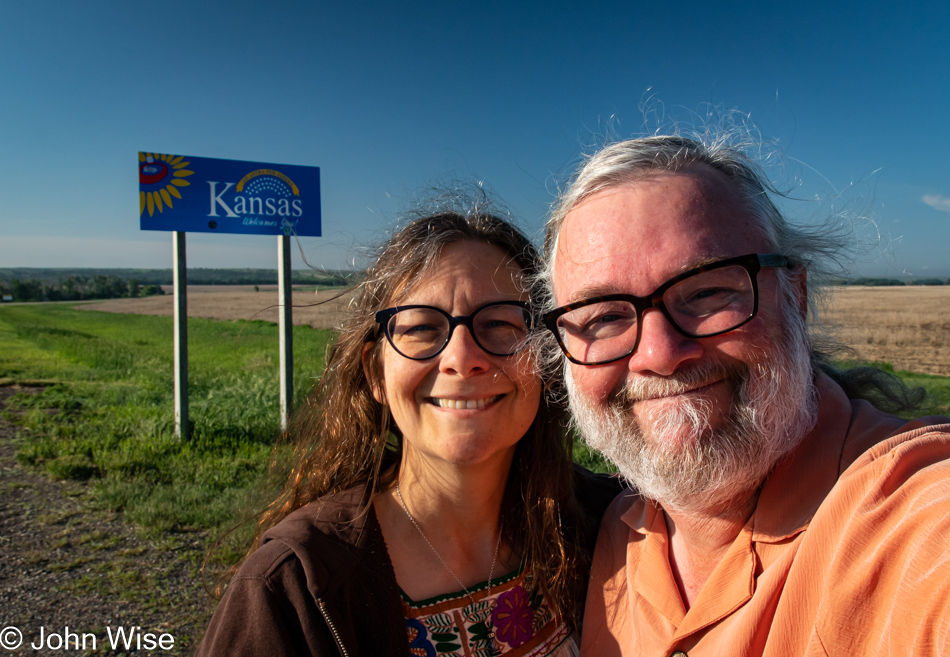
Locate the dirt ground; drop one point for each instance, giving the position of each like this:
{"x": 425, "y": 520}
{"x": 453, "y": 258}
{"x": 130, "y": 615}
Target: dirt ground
{"x": 907, "y": 326}
{"x": 68, "y": 563}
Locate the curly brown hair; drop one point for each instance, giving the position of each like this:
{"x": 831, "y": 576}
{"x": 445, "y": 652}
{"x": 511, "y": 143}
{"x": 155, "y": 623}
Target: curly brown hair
{"x": 343, "y": 437}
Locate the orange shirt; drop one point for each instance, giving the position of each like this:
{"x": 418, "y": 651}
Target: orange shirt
{"x": 846, "y": 553}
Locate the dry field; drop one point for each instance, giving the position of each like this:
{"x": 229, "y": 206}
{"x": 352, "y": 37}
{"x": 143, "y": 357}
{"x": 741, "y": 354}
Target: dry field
{"x": 908, "y": 327}
{"x": 236, "y": 302}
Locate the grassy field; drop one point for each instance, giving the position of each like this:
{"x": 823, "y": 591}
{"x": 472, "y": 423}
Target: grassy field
{"x": 106, "y": 412}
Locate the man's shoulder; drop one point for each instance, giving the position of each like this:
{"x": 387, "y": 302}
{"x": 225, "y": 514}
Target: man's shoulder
{"x": 919, "y": 445}
{"x": 878, "y": 543}
{"x": 873, "y": 435}
{"x": 884, "y": 459}
{"x": 854, "y": 429}
{"x": 899, "y": 484}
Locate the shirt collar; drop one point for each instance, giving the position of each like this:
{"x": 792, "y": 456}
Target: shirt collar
{"x": 798, "y": 485}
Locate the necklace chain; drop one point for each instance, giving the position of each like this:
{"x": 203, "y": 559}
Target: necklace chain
{"x": 491, "y": 572}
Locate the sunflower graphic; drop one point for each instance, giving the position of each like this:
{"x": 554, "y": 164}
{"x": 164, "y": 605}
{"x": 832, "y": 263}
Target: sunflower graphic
{"x": 160, "y": 176}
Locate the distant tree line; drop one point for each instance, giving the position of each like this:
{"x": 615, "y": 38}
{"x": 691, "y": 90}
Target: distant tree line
{"x": 78, "y": 288}
{"x": 199, "y": 276}
{"x": 888, "y": 281}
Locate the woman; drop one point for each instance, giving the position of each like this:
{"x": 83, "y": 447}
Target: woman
{"x": 432, "y": 506}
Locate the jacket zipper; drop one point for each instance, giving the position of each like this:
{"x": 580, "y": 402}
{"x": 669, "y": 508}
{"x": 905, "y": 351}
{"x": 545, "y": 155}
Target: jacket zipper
{"x": 332, "y": 626}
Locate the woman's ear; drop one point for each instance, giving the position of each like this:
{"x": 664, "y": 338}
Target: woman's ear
{"x": 374, "y": 385}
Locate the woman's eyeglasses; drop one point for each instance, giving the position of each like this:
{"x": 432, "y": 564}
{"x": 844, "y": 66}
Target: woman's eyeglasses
{"x": 501, "y": 328}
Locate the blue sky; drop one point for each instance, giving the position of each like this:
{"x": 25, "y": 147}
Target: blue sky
{"x": 390, "y": 97}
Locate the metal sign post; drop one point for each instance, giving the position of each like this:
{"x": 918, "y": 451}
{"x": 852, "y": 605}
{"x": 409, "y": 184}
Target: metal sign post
{"x": 180, "y": 277}
{"x": 286, "y": 329}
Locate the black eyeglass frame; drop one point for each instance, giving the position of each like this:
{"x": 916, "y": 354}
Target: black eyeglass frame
{"x": 383, "y": 317}
{"x": 752, "y": 263}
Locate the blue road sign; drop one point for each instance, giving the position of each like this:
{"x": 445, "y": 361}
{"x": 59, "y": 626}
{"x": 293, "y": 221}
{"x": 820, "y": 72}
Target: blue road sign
{"x": 209, "y": 195}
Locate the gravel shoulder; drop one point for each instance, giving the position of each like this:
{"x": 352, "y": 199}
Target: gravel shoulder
{"x": 70, "y": 563}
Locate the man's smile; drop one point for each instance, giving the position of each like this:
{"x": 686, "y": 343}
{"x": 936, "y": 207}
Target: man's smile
{"x": 677, "y": 391}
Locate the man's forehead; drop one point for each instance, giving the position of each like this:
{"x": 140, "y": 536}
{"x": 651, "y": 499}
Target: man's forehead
{"x": 661, "y": 225}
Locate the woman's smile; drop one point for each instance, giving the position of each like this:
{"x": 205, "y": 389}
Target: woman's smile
{"x": 464, "y": 404}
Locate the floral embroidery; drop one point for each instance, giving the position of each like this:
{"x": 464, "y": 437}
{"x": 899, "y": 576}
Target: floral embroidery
{"x": 506, "y": 619}
{"x": 419, "y": 644}
{"x": 513, "y": 617}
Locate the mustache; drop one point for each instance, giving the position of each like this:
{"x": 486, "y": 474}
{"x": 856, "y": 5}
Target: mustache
{"x": 644, "y": 387}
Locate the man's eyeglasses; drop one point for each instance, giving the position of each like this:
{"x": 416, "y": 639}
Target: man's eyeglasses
{"x": 421, "y": 332}
{"x": 700, "y": 303}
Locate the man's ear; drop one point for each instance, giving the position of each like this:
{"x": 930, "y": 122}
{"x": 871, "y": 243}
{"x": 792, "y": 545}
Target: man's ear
{"x": 374, "y": 385}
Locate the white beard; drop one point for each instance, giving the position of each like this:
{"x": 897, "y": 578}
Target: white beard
{"x": 675, "y": 457}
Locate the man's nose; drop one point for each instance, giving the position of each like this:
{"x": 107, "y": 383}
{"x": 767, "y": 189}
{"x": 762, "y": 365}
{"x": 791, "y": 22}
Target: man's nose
{"x": 662, "y": 348}
{"x": 462, "y": 355}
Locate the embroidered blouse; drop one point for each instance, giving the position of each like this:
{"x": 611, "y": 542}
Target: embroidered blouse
{"x": 456, "y": 625}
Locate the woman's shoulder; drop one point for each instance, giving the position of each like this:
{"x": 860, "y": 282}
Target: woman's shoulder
{"x": 328, "y": 553}
{"x": 272, "y": 565}
{"x": 318, "y": 542}
{"x": 270, "y": 605}
{"x": 349, "y": 508}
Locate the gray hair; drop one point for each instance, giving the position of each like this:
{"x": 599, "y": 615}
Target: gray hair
{"x": 821, "y": 249}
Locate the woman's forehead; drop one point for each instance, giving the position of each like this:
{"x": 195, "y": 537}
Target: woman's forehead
{"x": 463, "y": 268}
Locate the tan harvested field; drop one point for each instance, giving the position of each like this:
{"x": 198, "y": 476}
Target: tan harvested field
{"x": 908, "y": 327}
{"x": 236, "y": 302}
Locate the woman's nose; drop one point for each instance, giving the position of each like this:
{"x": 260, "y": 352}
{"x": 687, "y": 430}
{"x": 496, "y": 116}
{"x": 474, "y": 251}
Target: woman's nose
{"x": 462, "y": 354}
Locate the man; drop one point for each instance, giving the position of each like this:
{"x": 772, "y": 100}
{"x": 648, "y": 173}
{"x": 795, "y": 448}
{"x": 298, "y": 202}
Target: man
{"x": 777, "y": 512}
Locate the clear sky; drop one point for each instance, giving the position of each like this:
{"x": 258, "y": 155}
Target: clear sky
{"x": 388, "y": 97}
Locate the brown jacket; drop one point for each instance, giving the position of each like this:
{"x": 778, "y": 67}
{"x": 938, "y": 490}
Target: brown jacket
{"x": 321, "y": 583}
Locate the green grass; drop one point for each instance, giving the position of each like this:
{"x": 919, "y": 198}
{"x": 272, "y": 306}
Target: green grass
{"x": 937, "y": 388}
{"x": 938, "y": 391}
{"x": 106, "y": 414}
{"x": 588, "y": 458}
